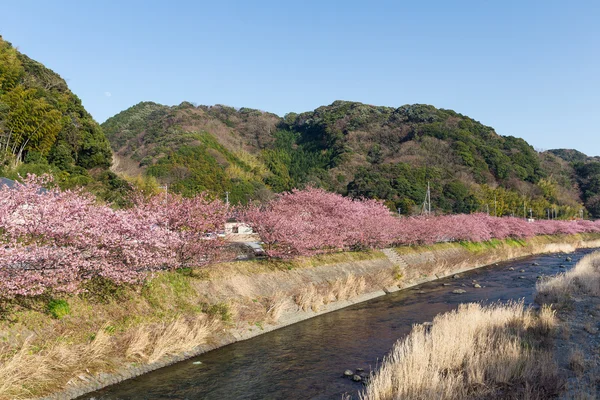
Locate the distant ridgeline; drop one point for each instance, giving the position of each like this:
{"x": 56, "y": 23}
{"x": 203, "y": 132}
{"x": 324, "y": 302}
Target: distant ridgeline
{"x": 350, "y": 148}
{"x": 354, "y": 149}
{"x": 44, "y": 128}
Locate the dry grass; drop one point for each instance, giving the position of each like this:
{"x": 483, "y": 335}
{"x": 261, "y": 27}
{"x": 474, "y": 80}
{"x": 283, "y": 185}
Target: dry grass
{"x": 309, "y": 298}
{"x": 474, "y": 352}
{"x": 577, "y": 361}
{"x": 31, "y": 370}
{"x": 584, "y": 279}
{"x": 590, "y": 328}
{"x": 175, "y": 312}
{"x": 150, "y": 343}
{"x": 275, "y": 306}
{"x": 343, "y": 289}
{"x": 312, "y": 297}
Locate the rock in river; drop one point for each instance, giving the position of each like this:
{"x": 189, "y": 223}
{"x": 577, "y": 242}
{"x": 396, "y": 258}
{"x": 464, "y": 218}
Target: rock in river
{"x": 459, "y": 291}
{"x": 348, "y": 373}
{"x": 477, "y": 286}
{"x": 356, "y": 378}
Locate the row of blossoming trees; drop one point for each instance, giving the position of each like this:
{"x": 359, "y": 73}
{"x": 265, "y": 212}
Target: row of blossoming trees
{"x": 312, "y": 221}
{"x": 53, "y": 239}
{"x": 56, "y": 240}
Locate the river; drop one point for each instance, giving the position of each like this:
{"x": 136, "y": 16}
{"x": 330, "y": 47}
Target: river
{"x": 307, "y": 360}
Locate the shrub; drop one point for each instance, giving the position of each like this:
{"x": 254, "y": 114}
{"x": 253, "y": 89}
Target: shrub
{"x": 58, "y": 308}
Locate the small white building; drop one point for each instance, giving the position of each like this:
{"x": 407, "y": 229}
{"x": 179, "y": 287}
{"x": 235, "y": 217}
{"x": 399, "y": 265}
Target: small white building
{"x": 237, "y": 228}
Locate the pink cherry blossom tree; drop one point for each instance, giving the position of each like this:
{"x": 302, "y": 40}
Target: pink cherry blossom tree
{"x": 54, "y": 240}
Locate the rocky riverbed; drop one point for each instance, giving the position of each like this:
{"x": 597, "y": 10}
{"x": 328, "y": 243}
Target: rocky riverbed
{"x": 578, "y": 348}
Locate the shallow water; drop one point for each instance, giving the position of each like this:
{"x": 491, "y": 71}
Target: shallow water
{"x": 307, "y": 360}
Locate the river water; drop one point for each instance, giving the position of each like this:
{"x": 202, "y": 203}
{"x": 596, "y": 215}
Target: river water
{"x": 307, "y": 360}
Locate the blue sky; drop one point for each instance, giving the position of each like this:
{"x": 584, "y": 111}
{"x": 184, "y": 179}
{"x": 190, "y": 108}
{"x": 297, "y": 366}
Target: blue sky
{"x": 527, "y": 68}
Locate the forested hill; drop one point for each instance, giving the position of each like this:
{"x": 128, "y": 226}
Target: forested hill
{"x": 352, "y": 148}
{"x": 44, "y": 127}
{"x": 586, "y": 171}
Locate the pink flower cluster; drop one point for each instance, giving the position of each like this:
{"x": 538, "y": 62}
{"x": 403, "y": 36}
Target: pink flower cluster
{"x": 53, "y": 239}
{"x": 312, "y": 221}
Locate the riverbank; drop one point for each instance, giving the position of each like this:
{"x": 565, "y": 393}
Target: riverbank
{"x": 504, "y": 350}
{"x": 178, "y": 315}
{"x": 499, "y": 351}
{"x": 576, "y": 296}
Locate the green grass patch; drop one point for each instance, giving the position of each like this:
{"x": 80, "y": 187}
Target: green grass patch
{"x": 265, "y": 265}
{"x": 58, "y": 308}
{"x": 168, "y": 290}
{"x": 513, "y": 242}
{"x": 477, "y": 247}
{"x": 222, "y": 310}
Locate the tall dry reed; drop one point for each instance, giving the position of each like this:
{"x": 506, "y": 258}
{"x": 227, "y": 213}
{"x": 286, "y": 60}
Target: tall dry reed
{"x": 584, "y": 278}
{"x": 474, "y": 352}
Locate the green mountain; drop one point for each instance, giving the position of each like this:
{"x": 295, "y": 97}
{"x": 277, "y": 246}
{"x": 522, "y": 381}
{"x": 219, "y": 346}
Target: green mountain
{"x": 587, "y": 174}
{"x": 352, "y": 148}
{"x": 45, "y": 128}
{"x": 193, "y": 149}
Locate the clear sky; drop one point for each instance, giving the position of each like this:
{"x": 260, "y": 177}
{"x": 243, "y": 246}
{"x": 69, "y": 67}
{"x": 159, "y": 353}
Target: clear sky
{"x": 528, "y": 68}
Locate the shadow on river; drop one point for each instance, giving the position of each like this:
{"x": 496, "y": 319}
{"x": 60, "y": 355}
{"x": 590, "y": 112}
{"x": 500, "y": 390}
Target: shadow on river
{"x": 307, "y": 360}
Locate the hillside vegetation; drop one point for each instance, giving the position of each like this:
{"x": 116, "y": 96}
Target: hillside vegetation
{"x": 45, "y": 128}
{"x": 587, "y": 174}
{"x": 353, "y": 149}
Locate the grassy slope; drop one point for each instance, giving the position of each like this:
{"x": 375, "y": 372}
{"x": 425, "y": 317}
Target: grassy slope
{"x": 81, "y": 335}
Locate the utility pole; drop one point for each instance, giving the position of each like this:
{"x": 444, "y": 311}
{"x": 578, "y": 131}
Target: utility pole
{"x": 227, "y": 198}
{"x": 166, "y": 189}
{"x": 429, "y": 196}
{"x": 427, "y": 203}
{"x": 530, "y": 213}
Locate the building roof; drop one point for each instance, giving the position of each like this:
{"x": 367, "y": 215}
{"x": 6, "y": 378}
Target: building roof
{"x": 11, "y": 184}
{"x": 8, "y": 182}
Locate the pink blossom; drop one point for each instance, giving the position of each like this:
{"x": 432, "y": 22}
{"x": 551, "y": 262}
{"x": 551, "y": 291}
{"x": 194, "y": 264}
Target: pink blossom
{"x": 57, "y": 239}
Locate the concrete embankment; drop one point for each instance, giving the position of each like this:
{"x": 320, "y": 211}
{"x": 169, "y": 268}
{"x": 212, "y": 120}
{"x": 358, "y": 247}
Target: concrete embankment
{"x": 257, "y": 300}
